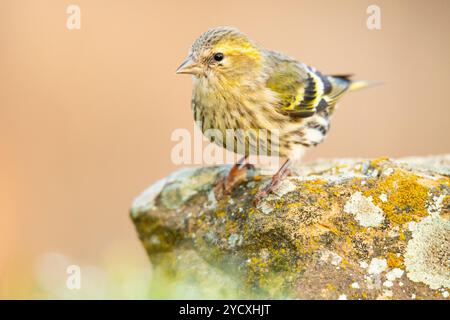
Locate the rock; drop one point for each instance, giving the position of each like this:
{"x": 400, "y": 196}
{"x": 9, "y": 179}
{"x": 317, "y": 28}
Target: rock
{"x": 353, "y": 229}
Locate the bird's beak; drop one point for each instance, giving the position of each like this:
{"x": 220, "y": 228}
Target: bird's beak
{"x": 189, "y": 66}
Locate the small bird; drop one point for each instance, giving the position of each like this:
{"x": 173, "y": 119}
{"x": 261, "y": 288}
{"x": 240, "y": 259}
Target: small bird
{"x": 284, "y": 104}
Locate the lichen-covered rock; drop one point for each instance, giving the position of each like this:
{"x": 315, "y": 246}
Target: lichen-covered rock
{"x": 340, "y": 229}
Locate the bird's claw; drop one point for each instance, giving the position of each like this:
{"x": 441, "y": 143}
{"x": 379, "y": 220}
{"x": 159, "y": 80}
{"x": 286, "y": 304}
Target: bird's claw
{"x": 226, "y": 184}
{"x": 264, "y": 192}
{"x": 272, "y": 186}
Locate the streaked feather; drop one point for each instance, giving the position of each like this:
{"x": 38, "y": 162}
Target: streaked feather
{"x": 254, "y": 88}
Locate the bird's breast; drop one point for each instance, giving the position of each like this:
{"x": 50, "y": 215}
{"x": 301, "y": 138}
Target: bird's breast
{"x": 241, "y": 108}
{"x": 254, "y": 123}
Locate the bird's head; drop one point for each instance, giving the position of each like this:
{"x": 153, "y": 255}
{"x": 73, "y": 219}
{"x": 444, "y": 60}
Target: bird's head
{"x": 223, "y": 56}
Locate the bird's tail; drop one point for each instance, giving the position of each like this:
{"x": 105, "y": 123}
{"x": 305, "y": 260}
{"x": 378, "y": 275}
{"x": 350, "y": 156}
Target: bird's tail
{"x": 353, "y": 85}
{"x": 361, "y": 84}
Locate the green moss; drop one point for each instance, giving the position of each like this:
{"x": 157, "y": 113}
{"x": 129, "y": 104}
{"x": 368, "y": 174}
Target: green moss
{"x": 271, "y": 274}
{"x": 273, "y": 254}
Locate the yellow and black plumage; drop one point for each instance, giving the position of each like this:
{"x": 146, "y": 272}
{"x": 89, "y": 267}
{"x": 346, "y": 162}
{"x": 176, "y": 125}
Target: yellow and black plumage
{"x": 238, "y": 85}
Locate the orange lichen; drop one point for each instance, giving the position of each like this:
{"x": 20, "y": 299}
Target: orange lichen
{"x": 401, "y": 235}
{"x": 394, "y": 261}
{"x": 220, "y": 214}
{"x": 330, "y": 287}
{"x": 315, "y": 186}
{"x": 406, "y": 197}
{"x": 377, "y": 161}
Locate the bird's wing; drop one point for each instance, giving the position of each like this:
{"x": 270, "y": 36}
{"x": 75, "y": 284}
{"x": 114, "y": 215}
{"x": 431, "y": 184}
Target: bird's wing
{"x": 303, "y": 91}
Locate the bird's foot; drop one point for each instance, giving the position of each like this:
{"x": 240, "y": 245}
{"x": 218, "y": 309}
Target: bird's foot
{"x": 273, "y": 184}
{"x": 237, "y": 174}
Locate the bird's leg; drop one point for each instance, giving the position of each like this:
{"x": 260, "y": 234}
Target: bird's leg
{"x": 282, "y": 173}
{"x": 237, "y": 172}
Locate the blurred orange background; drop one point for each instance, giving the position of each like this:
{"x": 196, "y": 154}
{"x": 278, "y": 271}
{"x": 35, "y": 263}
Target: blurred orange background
{"x": 86, "y": 115}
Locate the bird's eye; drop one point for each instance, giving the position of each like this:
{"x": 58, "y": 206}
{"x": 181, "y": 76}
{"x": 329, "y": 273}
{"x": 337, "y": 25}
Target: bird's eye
{"x": 218, "y": 56}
